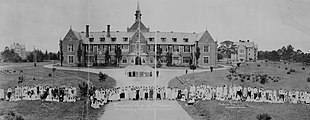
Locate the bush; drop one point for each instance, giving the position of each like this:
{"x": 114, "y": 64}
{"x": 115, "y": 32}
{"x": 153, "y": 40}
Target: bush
{"x": 303, "y": 68}
{"x": 292, "y": 70}
{"x": 308, "y": 79}
{"x": 49, "y": 74}
{"x": 102, "y": 77}
{"x": 258, "y": 65}
{"x": 263, "y": 116}
{"x": 286, "y": 68}
{"x": 288, "y": 72}
{"x": 158, "y": 65}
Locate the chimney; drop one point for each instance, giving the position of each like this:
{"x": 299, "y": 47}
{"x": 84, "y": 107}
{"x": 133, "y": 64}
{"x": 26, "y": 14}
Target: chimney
{"x": 87, "y": 30}
{"x": 108, "y": 31}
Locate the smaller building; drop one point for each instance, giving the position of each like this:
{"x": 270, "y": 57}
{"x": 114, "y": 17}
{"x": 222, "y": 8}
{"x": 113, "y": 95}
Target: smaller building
{"x": 246, "y": 51}
{"x": 20, "y": 49}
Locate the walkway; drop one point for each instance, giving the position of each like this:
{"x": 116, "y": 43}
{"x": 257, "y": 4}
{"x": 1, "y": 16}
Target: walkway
{"x": 141, "y": 110}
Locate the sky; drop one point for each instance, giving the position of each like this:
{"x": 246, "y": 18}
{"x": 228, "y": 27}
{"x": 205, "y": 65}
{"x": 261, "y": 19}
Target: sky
{"x": 269, "y": 23}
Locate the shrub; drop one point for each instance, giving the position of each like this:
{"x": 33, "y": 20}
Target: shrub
{"x": 308, "y": 79}
{"x": 258, "y": 65}
{"x": 49, "y": 74}
{"x": 279, "y": 67}
{"x": 102, "y": 77}
{"x": 288, "y": 72}
{"x": 263, "y": 116}
{"x": 303, "y": 68}
{"x": 286, "y": 68}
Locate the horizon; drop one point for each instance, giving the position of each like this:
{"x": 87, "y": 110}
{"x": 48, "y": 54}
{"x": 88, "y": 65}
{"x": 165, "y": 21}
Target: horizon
{"x": 270, "y": 24}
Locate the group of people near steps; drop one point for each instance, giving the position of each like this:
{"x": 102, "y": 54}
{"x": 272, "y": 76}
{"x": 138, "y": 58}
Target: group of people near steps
{"x": 40, "y": 92}
{"x": 190, "y": 94}
{"x": 200, "y": 92}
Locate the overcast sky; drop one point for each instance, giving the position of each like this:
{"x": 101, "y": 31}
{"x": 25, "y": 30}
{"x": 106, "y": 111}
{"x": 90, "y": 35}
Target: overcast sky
{"x": 269, "y": 23}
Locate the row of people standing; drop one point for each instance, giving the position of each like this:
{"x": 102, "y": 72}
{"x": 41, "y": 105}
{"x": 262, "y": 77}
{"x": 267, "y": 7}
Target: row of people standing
{"x": 40, "y": 92}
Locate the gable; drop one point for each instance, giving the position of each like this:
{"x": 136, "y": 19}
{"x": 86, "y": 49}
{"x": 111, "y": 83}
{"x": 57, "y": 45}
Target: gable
{"x": 206, "y": 37}
{"x": 72, "y": 35}
{"x": 135, "y": 27}
{"x": 135, "y": 37}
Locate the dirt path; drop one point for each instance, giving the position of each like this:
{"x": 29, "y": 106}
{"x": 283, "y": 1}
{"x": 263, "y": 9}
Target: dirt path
{"x": 141, "y": 110}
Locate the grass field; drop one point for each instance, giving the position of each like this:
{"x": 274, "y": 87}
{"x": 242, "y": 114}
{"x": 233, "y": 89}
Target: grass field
{"x": 214, "y": 110}
{"x": 38, "y": 110}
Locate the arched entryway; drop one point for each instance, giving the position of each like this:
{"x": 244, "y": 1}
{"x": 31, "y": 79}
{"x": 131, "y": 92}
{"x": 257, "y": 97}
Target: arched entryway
{"x": 138, "y": 61}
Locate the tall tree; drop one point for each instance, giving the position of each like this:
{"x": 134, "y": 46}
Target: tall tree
{"x": 107, "y": 57}
{"x": 118, "y": 54}
{"x": 61, "y": 52}
{"x": 227, "y": 48}
{"x": 79, "y": 53}
{"x": 169, "y": 58}
{"x": 197, "y": 54}
{"x": 8, "y": 55}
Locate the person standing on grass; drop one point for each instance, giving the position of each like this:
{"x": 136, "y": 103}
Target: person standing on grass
{"x": 157, "y": 73}
{"x": 186, "y": 71}
{"x": 211, "y": 68}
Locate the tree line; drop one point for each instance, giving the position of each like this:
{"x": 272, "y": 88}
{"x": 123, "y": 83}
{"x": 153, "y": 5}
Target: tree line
{"x": 286, "y": 53}
{"x": 9, "y": 55}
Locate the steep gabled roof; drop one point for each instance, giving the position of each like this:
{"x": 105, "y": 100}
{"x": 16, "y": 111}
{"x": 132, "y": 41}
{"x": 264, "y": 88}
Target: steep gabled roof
{"x": 136, "y": 36}
{"x": 206, "y": 37}
{"x": 135, "y": 26}
{"x": 73, "y": 35}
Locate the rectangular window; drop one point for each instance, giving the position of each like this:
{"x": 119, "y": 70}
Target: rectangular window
{"x": 113, "y": 39}
{"x": 70, "y": 58}
{"x": 175, "y": 48}
{"x": 185, "y": 39}
{"x": 91, "y": 39}
{"x": 125, "y": 39}
{"x": 206, "y": 48}
{"x": 151, "y": 39}
{"x": 187, "y": 48}
{"x": 206, "y": 59}
{"x": 102, "y": 39}
{"x": 152, "y": 48}
{"x": 151, "y": 60}
{"x": 124, "y": 60}
{"x": 163, "y": 39}
{"x": 241, "y": 51}
{"x": 91, "y": 48}
{"x": 174, "y": 39}
{"x": 112, "y": 48}
{"x": 186, "y": 59}
{"x": 164, "y": 48}
{"x": 70, "y": 48}
{"x": 124, "y": 46}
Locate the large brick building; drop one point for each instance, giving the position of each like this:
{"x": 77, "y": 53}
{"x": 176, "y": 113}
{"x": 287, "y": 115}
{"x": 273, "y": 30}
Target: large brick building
{"x": 246, "y": 51}
{"x": 138, "y": 45}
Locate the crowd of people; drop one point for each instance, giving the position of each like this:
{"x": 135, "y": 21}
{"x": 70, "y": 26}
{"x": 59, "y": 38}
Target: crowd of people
{"x": 200, "y": 92}
{"x": 39, "y": 92}
{"x": 191, "y": 94}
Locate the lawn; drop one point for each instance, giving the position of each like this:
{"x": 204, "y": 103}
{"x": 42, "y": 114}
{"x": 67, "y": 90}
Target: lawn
{"x": 213, "y": 110}
{"x": 38, "y": 110}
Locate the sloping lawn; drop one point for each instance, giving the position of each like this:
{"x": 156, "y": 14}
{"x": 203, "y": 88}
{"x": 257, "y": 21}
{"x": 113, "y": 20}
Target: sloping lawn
{"x": 215, "y": 110}
{"x": 38, "y": 110}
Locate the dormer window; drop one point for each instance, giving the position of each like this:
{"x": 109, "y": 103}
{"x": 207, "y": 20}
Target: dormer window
{"x": 102, "y": 39}
{"x": 185, "y": 39}
{"x": 91, "y": 39}
{"x": 174, "y": 39}
{"x": 151, "y": 39}
{"x": 163, "y": 39}
{"x": 113, "y": 39}
{"x": 125, "y": 39}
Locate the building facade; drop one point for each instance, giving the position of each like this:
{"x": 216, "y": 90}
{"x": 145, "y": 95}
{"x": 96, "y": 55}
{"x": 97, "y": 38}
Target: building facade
{"x": 138, "y": 45}
{"x": 246, "y": 51}
{"x": 20, "y": 49}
